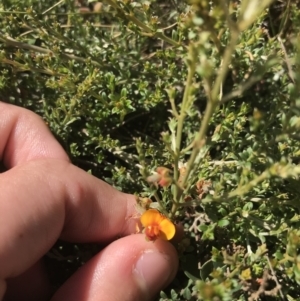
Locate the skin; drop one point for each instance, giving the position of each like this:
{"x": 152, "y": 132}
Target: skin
{"x": 43, "y": 197}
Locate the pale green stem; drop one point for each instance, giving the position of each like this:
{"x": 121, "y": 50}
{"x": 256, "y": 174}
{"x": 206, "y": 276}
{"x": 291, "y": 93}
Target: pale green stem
{"x": 174, "y": 110}
{"x": 225, "y": 66}
{"x": 160, "y": 203}
{"x": 181, "y": 118}
{"x": 199, "y": 139}
{"x": 243, "y": 189}
{"x": 213, "y": 102}
{"x": 185, "y": 101}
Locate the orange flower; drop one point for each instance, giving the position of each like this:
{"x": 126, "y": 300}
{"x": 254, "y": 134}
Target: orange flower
{"x": 157, "y": 225}
{"x": 162, "y": 177}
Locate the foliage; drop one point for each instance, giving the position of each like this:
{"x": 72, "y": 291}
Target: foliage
{"x": 208, "y": 89}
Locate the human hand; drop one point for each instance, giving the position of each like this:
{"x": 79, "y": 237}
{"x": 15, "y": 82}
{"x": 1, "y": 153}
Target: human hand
{"x": 43, "y": 197}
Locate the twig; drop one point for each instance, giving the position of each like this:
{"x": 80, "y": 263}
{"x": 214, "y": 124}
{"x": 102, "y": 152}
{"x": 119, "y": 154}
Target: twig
{"x": 50, "y": 8}
{"x": 241, "y": 88}
{"x": 24, "y": 68}
{"x": 287, "y": 61}
{"x": 275, "y": 169}
{"x": 244, "y": 189}
{"x": 11, "y": 42}
{"x": 275, "y": 278}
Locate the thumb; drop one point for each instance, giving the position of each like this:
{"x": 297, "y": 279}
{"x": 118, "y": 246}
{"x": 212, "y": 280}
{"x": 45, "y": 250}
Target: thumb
{"x": 128, "y": 269}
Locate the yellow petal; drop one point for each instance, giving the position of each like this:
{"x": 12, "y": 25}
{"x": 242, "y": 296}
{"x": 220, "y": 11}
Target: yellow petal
{"x": 151, "y": 216}
{"x": 167, "y": 229}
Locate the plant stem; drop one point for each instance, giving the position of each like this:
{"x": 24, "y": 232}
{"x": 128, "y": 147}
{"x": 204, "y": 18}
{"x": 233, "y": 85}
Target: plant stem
{"x": 53, "y": 6}
{"x": 160, "y": 203}
{"x": 275, "y": 169}
{"x": 11, "y": 42}
{"x": 223, "y": 70}
{"x": 23, "y": 68}
{"x": 213, "y": 102}
{"x": 181, "y": 117}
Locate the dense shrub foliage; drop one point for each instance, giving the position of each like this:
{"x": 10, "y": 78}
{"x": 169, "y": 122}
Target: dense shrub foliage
{"x": 207, "y": 89}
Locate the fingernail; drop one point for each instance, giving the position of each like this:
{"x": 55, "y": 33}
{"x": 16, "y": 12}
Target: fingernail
{"x": 153, "y": 271}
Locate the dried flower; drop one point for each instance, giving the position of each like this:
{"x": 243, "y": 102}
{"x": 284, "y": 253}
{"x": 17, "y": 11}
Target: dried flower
{"x": 203, "y": 187}
{"x": 157, "y": 225}
{"x": 143, "y": 204}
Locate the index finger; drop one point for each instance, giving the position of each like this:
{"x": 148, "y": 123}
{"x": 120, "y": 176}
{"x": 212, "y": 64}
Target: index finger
{"x": 25, "y": 137}
{"x": 43, "y": 200}
{"x": 44, "y": 197}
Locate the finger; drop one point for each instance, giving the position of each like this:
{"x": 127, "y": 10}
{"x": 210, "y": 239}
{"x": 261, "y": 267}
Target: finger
{"x": 25, "y": 136}
{"x": 46, "y": 199}
{"x": 33, "y": 285}
{"x": 129, "y": 269}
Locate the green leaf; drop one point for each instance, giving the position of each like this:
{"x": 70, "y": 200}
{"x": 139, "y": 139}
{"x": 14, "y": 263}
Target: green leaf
{"x": 206, "y": 269}
{"x": 223, "y": 223}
